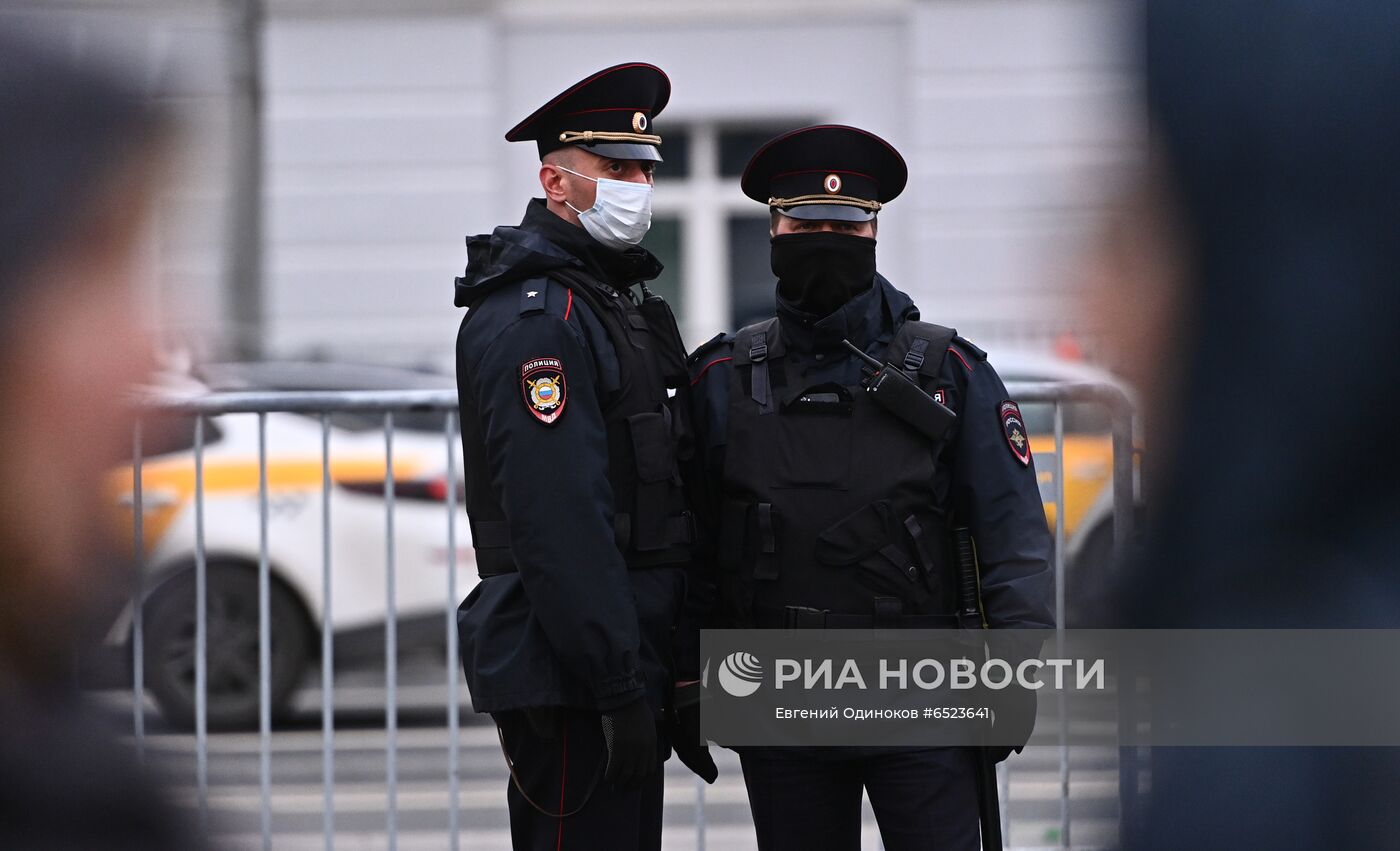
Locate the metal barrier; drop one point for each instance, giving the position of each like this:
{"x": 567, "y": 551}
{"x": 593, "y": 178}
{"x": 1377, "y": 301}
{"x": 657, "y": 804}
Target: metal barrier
{"x": 388, "y": 403}
{"x": 1125, "y": 498}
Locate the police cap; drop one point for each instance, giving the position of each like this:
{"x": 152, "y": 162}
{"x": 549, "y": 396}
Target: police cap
{"x": 829, "y": 171}
{"x": 609, "y": 113}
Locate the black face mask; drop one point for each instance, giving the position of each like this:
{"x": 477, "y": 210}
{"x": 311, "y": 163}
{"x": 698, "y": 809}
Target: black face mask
{"x": 819, "y": 272}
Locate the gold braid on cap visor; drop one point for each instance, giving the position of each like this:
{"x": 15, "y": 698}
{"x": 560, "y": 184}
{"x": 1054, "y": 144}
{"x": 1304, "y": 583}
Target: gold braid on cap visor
{"x": 842, "y": 200}
{"x": 588, "y": 137}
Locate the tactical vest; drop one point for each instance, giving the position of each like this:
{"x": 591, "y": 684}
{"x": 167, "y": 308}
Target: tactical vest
{"x": 645, "y": 427}
{"x": 830, "y": 515}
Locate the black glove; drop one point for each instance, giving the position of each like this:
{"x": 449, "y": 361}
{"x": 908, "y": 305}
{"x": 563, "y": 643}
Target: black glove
{"x": 630, "y": 735}
{"x": 684, "y": 720}
{"x": 1015, "y": 719}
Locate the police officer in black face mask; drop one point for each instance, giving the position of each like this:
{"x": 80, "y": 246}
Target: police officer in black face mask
{"x": 571, "y": 441}
{"x": 828, "y": 511}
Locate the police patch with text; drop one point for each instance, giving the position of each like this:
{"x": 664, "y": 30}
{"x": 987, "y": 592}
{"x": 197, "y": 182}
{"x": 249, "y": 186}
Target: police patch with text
{"x": 542, "y": 382}
{"x": 1014, "y": 427}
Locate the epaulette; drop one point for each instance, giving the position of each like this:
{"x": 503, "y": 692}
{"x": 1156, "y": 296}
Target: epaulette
{"x": 709, "y": 354}
{"x": 971, "y": 349}
{"x": 534, "y": 295}
{"x": 965, "y": 353}
{"x": 705, "y": 348}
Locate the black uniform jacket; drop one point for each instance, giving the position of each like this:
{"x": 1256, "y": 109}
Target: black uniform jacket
{"x": 573, "y": 627}
{"x": 990, "y": 490}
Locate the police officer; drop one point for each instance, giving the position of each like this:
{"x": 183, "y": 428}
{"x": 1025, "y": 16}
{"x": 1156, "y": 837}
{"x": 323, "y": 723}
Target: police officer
{"x": 831, "y": 512}
{"x": 570, "y": 442}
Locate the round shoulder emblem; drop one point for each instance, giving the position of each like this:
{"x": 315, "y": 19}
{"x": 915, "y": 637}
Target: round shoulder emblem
{"x": 832, "y": 183}
{"x": 639, "y": 122}
{"x": 542, "y": 382}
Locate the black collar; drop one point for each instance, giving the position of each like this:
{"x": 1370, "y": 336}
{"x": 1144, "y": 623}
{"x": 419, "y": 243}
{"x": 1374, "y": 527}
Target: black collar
{"x": 621, "y": 269}
{"x": 862, "y": 320}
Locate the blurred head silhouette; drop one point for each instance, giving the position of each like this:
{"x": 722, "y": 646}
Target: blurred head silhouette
{"x": 1258, "y": 293}
{"x": 1255, "y": 293}
{"x": 81, "y": 150}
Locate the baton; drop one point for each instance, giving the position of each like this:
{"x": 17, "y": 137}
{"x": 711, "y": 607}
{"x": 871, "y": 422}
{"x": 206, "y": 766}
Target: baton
{"x": 969, "y": 612}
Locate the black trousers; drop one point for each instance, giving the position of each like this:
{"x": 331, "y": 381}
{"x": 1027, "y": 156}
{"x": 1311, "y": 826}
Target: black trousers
{"x": 923, "y": 799}
{"x": 561, "y": 771}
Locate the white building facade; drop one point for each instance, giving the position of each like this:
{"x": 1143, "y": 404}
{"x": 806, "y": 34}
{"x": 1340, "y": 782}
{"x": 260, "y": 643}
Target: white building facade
{"x": 383, "y": 148}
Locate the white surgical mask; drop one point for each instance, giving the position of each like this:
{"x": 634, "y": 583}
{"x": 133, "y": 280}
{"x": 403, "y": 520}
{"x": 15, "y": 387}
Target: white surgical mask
{"x": 621, "y": 211}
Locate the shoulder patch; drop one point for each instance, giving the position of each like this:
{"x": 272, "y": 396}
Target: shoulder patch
{"x": 542, "y": 383}
{"x": 1014, "y": 427}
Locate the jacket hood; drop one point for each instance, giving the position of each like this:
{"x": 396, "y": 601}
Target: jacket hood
{"x": 541, "y": 243}
{"x": 509, "y": 254}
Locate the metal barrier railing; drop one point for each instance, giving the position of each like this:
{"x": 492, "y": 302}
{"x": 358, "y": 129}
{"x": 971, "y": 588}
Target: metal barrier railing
{"x": 1125, "y": 497}
{"x": 323, "y": 404}
{"x": 387, "y": 403}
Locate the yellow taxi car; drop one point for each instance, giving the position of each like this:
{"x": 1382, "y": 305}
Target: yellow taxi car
{"x": 231, "y": 535}
{"x": 1087, "y": 466}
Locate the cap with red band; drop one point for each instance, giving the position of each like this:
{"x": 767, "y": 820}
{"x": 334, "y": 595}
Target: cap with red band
{"x": 610, "y": 113}
{"x": 828, "y": 171}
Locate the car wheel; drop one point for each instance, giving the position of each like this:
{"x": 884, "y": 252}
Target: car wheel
{"x": 232, "y": 647}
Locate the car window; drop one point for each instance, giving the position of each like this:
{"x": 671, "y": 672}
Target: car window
{"x": 166, "y": 435}
{"x": 415, "y": 421}
{"x": 1088, "y": 418}
{"x": 1080, "y": 417}
{"x": 1039, "y": 417}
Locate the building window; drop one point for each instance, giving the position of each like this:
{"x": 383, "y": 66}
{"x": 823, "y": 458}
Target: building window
{"x": 675, "y": 153}
{"x": 713, "y": 239}
{"x": 664, "y": 240}
{"x": 751, "y": 282}
{"x": 738, "y": 144}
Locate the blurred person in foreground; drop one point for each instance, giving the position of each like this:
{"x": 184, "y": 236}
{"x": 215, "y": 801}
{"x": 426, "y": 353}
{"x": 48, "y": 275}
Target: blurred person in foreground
{"x": 1254, "y": 287}
{"x": 79, "y": 158}
{"x": 830, "y": 512}
{"x": 571, "y": 440}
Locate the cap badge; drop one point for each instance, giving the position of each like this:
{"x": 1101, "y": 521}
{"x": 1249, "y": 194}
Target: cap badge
{"x": 639, "y": 122}
{"x": 832, "y": 184}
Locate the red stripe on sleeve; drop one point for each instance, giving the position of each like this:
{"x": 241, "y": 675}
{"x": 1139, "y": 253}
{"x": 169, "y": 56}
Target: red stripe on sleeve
{"x": 961, "y": 358}
{"x": 696, "y": 380}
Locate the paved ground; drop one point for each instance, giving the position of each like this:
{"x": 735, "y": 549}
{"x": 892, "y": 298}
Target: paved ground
{"x": 422, "y": 796}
